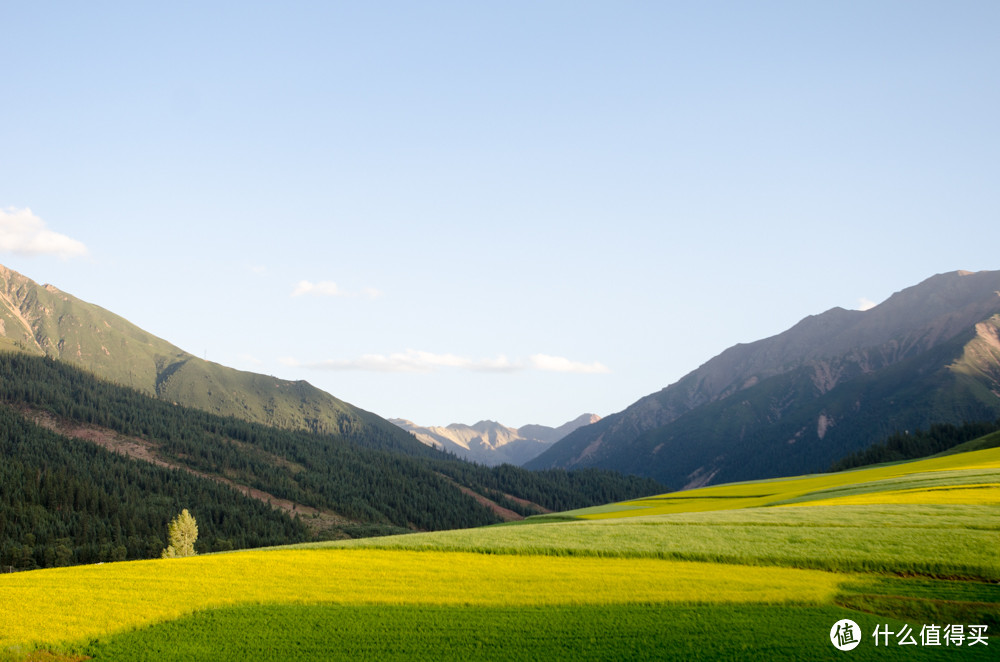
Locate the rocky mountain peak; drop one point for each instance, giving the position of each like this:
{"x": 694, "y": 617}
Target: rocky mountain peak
{"x": 926, "y": 354}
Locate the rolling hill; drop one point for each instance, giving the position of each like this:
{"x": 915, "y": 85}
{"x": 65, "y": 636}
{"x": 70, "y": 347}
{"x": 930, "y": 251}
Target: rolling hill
{"x": 832, "y": 384}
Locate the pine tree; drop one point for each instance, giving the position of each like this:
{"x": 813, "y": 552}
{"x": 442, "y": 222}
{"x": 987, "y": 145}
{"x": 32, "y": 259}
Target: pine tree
{"x": 181, "y": 534}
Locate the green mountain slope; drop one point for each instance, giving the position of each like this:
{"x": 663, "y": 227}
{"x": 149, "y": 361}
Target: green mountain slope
{"x": 796, "y": 402}
{"x": 44, "y": 320}
{"x": 64, "y": 500}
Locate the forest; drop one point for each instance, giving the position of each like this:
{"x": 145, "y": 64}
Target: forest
{"x": 906, "y": 445}
{"x": 64, "y": 501}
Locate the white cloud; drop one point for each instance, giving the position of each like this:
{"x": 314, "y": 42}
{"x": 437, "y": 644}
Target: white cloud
{"x": 323, "y": 288}
{"x": 411, "y": 361}
{"x": 419, "y": 361}
{"x": 866, "y": 304}
{"x": 326, "y": 288}
{"x": 560, "y": 364}
{"x": 23, "y": 233}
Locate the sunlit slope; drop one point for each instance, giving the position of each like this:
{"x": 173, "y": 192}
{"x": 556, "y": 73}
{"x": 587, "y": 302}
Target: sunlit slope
{"x": 44, "y": 320}
{"x": 923, "y": 481}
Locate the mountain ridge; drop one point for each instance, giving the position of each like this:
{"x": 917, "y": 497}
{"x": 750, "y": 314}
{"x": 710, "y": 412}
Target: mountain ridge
{"x": 801, "y": 366}
{"x": 492, "y": 443}
{"x": 44, "y": 320}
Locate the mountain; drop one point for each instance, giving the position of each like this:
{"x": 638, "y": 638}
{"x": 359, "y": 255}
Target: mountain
{"x": 490, "y": 443}
{"x": 92, "y": 471}
{"x": 107, "y": 432}
{"x": 45, "y": 321}
{"x": 832, "y": 384}
{"x": 551, "y": 435}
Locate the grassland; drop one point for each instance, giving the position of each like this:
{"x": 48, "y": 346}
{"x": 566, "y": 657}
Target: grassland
{"x": 610, "y": 632}
{"x": 755, "y": 570}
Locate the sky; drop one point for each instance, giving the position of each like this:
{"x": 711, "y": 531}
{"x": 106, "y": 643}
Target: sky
{"x": 517, "y": 211}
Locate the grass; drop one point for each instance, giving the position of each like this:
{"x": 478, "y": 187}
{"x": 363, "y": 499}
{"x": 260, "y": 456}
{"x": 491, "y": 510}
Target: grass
{"x": 756, "y": 570}
{"x": 614, "y": 632}
{"x": 932, "y": 540}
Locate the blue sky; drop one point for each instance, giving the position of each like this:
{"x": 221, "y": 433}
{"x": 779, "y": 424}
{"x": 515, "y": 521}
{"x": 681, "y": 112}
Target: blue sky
{"x": 520, "y": 211}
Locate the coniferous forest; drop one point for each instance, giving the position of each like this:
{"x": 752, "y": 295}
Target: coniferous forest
{"x": 64, "y": 501}
{"x": 908, "y": 445}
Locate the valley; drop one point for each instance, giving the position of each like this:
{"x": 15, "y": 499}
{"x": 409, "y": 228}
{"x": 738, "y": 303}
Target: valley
{"x": 500, "y": 331}
{"x": 327, "y": 531}
{"x": 785, "y": 558}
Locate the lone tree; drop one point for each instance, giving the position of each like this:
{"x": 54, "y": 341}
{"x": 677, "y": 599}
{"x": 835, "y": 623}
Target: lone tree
{"x": 181, "y": 534}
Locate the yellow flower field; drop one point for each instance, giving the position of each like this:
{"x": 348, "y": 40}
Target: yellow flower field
{"x": 66, "y": 605}
{"x": 971, "y": 495}
{"x": 770, "y": 492}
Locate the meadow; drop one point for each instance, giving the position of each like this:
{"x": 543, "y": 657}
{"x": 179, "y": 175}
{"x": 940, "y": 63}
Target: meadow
{"x": 758, "y": 570}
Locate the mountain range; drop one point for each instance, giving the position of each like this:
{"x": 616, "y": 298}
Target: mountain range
{"x": 491, "y": 443}
{"x": 795, "y": 402}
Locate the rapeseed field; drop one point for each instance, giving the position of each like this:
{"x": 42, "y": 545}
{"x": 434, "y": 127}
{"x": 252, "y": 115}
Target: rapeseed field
{"x": 64, "y": 605}
{"x": 757, "y": 494}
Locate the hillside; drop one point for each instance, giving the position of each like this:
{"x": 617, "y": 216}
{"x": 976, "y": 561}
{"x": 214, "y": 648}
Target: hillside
{"x": 93, "y": 471}
{"x": 491, "y": 443}
{"x": 832, "y": 384}
{"x": 45, "y": 321}
{"x": 748, "y": 571}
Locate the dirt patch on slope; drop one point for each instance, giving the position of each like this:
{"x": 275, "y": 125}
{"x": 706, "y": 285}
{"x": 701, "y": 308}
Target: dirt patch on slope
{"x": 528, "y": 504}
{"x": 148, "y": 451}
{"x": 506, "y": 514}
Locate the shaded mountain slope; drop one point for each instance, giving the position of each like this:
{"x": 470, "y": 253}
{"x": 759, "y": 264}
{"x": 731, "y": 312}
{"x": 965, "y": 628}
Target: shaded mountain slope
{"x": 797, "y": 401}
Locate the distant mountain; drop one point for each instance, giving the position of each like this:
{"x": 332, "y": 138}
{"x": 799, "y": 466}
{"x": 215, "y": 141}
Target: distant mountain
{"x": 832, "y": 384}
{"x": 490, "y": 443}
{"x": 44, "y": 320}
{"x": 552, "y": 435}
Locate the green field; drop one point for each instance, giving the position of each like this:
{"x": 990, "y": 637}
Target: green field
{"x": 620, "y": 632}
{"x": 758, "y": 570}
